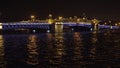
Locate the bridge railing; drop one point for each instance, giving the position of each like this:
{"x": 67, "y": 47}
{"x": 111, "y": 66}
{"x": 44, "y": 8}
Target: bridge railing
{"x": 47, "y": 25}
{"x": 25, "y": 25}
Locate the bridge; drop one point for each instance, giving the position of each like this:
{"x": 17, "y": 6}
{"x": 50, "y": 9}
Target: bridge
{"x": 47, "y": 26}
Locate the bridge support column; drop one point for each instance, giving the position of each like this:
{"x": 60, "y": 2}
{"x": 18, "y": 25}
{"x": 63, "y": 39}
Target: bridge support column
{"x": 95, "y": 27}
{"x": 1, "y": 27}
{"x": 56, "y": 27}
{"x": 52, "y": 27}
{"x": 95, "y": 24}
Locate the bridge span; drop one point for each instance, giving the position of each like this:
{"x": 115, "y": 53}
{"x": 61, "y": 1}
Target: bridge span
{"x": 47, "y": 26}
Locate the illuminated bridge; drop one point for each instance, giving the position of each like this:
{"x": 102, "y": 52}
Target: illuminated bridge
{"x": 47, "y": 26}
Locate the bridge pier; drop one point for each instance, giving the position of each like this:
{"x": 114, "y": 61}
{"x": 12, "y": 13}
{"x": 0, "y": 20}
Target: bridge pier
{"x": 59, "y": 27}
{"x": 95, "y": 24}
{"x": 56, "y": 27}
{"x": 95, "y": 27}
{"x": 52, "y": 27}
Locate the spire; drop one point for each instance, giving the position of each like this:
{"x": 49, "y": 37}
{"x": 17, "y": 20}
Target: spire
{"x": 50, "y": 20}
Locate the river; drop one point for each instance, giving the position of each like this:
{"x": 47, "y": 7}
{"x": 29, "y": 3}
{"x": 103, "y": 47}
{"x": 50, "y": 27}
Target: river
{"x": 60, "y": 50}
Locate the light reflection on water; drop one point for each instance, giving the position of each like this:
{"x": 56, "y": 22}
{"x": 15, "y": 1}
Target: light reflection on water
{"x": 32, "y": 49}
{"x": 60, "y": 50}
{"x": 2, "y": 61}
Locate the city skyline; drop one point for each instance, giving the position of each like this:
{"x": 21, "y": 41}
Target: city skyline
{"x": 14, "y": 10}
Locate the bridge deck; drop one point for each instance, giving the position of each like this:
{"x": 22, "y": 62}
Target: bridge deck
{"x": 5, "y": 26}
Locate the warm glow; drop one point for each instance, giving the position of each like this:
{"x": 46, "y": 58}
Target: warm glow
{"x": 116, "y": 24}
{"x": 1, "y": 41}
{"x": 95, "y": 21}
{"x": 32, "y": 16}
{"x": 119, "y": 23}
{"x": 50, "y": 15}
{"x": 105, "y": 23}
{"x": 83, "y": 18}
{"x": 50, "y": 21}
{"x": 0, "y": 25}
{"x": 58, "y": 27}
{"x": 60, "y": 17}
{"x": 32, "y": 51}
{"x": 78, "y": 20}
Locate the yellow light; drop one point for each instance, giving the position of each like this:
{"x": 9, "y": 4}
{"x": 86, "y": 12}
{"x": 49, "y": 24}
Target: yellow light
{"x": 50, "y": 21}
{"x": 70, "y": 18}
{"x": 116, "y": 24}
{"x": 0, "y": 25}
{"x": 78, "y": 20}
{"x": 105, "y": 23}
{"x": 119, "y": 23}
{"x": 32, "y": 16}
{"x": 60, "y": 17}
{"x": 83, "y": 18}
{"x": 1, "y": 41}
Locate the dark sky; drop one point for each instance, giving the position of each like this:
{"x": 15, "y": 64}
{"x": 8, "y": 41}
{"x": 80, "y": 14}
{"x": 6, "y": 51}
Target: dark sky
{"x": 15, "y": 10}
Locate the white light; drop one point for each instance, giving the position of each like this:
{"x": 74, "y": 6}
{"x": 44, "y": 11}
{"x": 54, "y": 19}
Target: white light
{"x": 111, "y": 27}
{"x": 34, "y": 31}
{"x": 72, "y": 29}
{"x": 0, "y": 26}
{"x": 48, "y": 31}
{"x": 91, "y": 29}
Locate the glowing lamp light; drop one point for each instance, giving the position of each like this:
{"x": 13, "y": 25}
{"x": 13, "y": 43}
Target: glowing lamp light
{"x": 0, "y": 25}
{"x": 34, "y": 31}
{"x": 60, "y": 17}
{"x": 32, "y": 16}
{"x": 119, "y": 23}
{"x": 116, "y": 24}
{"x": 111, "y": 27}
{"x": 50, "y": 15}
{"x": 105, "y": 23}
{"x": 48, "y": 31}
{"x": 72, "y": 29}
{"x": 91, "y": 29}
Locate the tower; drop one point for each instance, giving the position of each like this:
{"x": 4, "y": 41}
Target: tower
{"x": 32, "y": 18}
{"x": 50, "y": 20}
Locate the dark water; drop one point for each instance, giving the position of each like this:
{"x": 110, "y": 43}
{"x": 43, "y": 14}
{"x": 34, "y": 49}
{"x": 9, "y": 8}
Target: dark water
{"x": 60, "y": 50}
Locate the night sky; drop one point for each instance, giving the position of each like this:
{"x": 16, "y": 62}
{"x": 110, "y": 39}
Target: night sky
{"x": 16, "y": 10}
